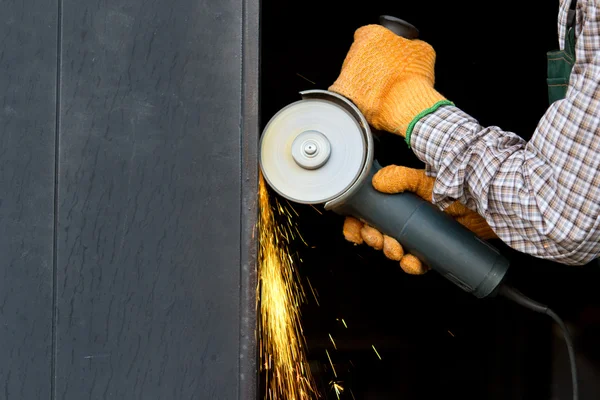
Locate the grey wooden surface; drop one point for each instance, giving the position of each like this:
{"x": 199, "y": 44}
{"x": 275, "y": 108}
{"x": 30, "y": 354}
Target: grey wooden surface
{"x": 144, "y": 229}
{"x": 27, "y": 138}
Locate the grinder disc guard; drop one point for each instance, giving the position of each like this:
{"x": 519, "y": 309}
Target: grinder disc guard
{"x": 313, "y": 150}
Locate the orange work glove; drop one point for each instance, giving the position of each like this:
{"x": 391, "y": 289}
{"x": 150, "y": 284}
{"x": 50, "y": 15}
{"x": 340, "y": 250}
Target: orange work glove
{"x": 396, "y": 179}
{"x": 390, "y": 79}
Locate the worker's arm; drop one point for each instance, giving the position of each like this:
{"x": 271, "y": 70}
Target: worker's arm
{"x": 541, "y": 197}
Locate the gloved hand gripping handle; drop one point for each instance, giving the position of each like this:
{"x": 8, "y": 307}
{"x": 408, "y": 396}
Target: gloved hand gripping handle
{"x": 430, "y": 234}
{"x": 423, "y": 229}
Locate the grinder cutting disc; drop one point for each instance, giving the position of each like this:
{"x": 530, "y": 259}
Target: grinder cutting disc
{"x": 313, "y": 150}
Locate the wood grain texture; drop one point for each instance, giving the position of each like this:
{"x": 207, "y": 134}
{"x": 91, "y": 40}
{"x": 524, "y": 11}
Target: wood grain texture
{"x": 148, "y": 280}
{"x": 28, "y": 36}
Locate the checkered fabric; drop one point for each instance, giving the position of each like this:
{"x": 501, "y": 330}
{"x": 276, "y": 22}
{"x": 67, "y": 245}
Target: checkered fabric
{"x": 541, "y": 197}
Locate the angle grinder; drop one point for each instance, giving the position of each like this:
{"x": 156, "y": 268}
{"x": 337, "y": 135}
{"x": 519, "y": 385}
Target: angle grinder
{"x": 320, "y": 150}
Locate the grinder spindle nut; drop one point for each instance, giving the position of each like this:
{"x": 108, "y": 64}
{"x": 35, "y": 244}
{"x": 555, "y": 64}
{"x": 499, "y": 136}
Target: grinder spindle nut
{"x": 311, "y": 149}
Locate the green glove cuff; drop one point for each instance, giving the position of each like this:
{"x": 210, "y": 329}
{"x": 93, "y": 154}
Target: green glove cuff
{"x": 423, "y": 113}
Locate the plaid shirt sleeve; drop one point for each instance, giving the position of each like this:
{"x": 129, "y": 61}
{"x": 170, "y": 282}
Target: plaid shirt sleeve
{"x": 541, "y": 197}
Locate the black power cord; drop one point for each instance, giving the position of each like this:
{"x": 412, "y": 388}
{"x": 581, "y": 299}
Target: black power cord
{"x": 513, "y": 294}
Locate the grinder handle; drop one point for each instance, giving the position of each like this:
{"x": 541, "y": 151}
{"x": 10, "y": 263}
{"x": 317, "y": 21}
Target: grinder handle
{"x": 399, "y": 26}
{"x": 429, "y": 234}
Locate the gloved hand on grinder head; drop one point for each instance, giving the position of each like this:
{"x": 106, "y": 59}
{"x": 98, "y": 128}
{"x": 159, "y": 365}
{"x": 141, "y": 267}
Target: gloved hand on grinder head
{"x": 390, "y": 79}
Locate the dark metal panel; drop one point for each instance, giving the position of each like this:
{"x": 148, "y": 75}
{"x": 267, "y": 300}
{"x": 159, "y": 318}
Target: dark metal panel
{"x": 250, "y": 134}
{"x": 28, "y": 36}
{"x": 149, "y": 200}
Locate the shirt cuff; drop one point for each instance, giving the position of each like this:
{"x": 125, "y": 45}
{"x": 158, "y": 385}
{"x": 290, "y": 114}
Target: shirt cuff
{"x": 432, "y": 137}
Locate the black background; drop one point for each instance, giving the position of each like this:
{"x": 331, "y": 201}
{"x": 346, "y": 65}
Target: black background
{"x": 434, "y": 339}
